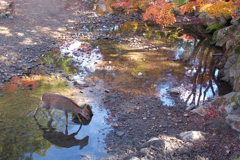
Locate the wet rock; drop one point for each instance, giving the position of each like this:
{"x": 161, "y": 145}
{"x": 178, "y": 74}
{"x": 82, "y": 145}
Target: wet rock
{"x": 86, "y": 157}
{"x": 176, "y": 90}
{"x": 192, "y": 136}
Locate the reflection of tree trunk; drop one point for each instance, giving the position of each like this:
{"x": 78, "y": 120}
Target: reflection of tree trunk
{"x": 210, "y": 85}
{"x": 204, "y": 52}
{"x": 194, "y": 89}
{"x": 197, "y": 47}
{"x": 205, "y": 62}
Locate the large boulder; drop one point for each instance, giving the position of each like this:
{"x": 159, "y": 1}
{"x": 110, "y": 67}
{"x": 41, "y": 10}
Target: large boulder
{"x": 232, "y": 71}
{"x": 230, "y": 108}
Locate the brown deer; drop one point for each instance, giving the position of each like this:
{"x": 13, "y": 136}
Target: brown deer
{"x": 50, "y": 101}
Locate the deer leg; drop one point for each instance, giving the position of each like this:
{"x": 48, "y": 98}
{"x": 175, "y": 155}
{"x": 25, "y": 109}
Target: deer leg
{"x": 66, "y": 130}
{"x": 36, "y": 110}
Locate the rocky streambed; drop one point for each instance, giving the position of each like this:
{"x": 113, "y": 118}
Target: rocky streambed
{"x": 138, "y": 83}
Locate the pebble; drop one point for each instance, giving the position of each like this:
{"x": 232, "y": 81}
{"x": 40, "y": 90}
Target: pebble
{"x": 134, "y": 158}
{"x": 107, "y": 91}
{"x": 120, "y": 133}
{"x": 185, "y": 115}
{"x": 140, "y": 73}
{"x": 1, "y": 95}
{"x": 192, "y": 136}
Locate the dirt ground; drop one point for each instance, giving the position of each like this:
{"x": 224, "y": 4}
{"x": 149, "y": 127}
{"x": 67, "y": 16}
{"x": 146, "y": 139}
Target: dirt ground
{"x": 39, "y": 26}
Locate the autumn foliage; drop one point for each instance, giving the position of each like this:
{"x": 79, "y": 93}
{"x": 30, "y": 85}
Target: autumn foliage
{"x": 214, "y": 8}
{"x": 162, "y": 11}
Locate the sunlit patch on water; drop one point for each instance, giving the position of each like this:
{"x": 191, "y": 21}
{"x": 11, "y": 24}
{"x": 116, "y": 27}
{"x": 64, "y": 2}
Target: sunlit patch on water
{"x": 165, "y": 97}
{"x": 85, "y": 57}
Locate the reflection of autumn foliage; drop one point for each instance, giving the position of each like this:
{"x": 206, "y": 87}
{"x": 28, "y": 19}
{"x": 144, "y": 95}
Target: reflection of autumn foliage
{"x": 186, "y": 37}
{"x": 161, "y": 11}
{"x": 30, "y": 83}
{"x": 130, "y": 26}
{"x": 17, "y": 83}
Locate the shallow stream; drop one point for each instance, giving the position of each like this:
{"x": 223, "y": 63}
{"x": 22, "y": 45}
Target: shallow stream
{"x": 141, "y": 65}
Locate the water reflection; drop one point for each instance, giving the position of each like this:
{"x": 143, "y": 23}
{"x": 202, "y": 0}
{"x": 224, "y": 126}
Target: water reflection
{"x": 62, "y": 139}
{"x": 183, "y": 68}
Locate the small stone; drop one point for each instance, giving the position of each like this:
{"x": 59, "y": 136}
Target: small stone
{"x": 192, "y": 136}
{"x": 114, "y": 124}
{"x": 85, "y": 85}
{"x": 1, "y": 95}
{"x": 107, "y": 91}
{"x": 85, "y": 157}
{"x": 134, "y": 158}
{"x": 120, "y": 133}
{"x": 169, "y": 114}
{"x": 140, "y": 74}
{"x": 144, "y": 118}
{"x": 185, "y": 115}
{"x": 228, "y": 151}
{"x": 145, "y": 150}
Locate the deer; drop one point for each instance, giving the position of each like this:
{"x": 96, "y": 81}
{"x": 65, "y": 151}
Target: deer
{"x": 51, "y": 100}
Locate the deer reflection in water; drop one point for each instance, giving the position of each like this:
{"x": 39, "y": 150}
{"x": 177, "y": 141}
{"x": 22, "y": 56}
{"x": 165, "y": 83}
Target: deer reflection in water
{"x": 60, "y": 139}
{"x": 81, "y": 114}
